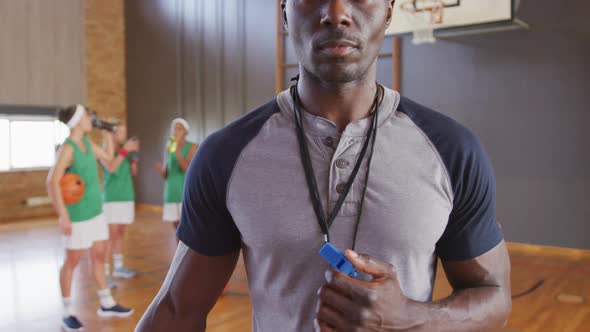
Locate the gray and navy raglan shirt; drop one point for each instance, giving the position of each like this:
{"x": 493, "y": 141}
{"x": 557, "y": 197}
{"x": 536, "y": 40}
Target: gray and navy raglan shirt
{"x": 431, "y": 193}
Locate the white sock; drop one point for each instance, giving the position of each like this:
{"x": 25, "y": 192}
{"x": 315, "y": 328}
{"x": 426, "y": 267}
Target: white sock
{"x": 68, "y": 310}
{"x": 107, "y": 269}
{"x": 106, "y": 299}
{"x": 118, "y": 261}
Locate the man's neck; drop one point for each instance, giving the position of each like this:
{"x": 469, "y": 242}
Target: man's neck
{"x": 339, "y": 103}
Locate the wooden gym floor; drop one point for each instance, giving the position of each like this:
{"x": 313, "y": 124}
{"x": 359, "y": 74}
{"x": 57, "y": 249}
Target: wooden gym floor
{"x": 552, "y": 286}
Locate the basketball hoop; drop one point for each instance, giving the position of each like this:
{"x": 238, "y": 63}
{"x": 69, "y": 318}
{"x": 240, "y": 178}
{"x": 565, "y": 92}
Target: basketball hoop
{"x": 424, "y": 16}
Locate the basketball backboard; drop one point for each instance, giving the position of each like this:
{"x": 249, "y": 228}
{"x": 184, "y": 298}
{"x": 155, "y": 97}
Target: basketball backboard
{"x": 459, "y": 17}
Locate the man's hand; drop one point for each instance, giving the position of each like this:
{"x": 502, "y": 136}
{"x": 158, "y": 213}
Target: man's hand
{"x": 65, "y": 225}
{"x": 348, "y": 304}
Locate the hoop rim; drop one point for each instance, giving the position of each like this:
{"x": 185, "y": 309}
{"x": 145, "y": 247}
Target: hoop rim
{"x": 410, "y": 7}
{"x": 435, "y": 13}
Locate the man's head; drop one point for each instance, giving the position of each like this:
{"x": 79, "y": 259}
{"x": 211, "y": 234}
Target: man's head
{"x": 337, "y": 41}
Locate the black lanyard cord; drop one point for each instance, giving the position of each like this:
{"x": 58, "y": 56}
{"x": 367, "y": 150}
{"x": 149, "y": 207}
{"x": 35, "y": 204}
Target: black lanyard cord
{"x": 310, "y": 175}
{"x": 306, "y": 160}
{"x": 370, "y": 158}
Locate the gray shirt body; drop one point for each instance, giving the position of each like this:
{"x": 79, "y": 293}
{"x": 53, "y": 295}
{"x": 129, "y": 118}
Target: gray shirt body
{"x": 258, "y": 201}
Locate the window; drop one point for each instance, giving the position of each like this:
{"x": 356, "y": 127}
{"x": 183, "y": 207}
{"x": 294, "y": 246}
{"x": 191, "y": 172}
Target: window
{"x": 29, "y": 141}
{"x": 4, "y": 145}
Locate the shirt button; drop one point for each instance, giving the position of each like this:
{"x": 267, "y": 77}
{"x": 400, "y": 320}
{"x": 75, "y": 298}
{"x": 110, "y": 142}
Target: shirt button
{"x": 340, "y": 188}
{"x": 341, "y": 163}
{"x": 329, "y": 141}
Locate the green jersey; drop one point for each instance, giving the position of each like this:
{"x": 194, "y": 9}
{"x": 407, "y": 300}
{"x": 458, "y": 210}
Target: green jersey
{"x": 84, "y": 165}
{"x": 174, "y": 187}
{"x": 118, "y": 186}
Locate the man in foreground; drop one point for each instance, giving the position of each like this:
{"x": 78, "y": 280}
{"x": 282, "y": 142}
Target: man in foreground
{"x": 340, "y": 159}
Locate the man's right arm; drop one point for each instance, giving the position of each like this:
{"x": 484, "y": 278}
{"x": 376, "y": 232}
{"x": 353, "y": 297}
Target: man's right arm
{"x": 191, "y": 289}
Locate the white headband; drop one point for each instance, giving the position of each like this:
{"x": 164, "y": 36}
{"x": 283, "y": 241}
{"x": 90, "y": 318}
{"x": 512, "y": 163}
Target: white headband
{"x": 77, "y": 116}
{"x": 182, "y": 122}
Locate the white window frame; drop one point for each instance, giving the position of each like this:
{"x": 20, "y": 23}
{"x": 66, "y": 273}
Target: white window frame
{"x": 19, "y": 117}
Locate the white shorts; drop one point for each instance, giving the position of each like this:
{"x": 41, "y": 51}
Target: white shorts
{"x": 171, "y": 212}
{"x": 122, "y": 213}
{"x": 85, "y": 233}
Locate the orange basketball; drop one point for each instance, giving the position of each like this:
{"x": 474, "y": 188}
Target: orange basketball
{"x": 72, "y": 188}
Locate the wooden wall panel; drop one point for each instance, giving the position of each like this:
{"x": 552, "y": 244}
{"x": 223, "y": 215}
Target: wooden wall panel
{"x": 234, "y": 74}
{"x": 18, "y": 186}
{"x": 41, "y": 52}
{"x": 214, "y": 62}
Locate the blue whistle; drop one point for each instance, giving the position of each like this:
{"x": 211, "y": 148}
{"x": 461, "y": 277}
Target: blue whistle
{"x": 337, "y": 260}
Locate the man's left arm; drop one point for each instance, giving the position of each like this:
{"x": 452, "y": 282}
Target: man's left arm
{"x": 481, "y": 299}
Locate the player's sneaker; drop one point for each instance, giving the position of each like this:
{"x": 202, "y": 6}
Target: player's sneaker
{"x": 71, "y": 323}
{"x": 115, "y": 311}
{"x": 124, "y": 273}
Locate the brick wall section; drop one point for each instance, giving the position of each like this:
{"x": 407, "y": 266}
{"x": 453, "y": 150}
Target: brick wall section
{"x": 105, "y": 57}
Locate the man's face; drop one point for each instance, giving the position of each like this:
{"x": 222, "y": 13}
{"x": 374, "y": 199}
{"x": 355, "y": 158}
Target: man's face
{"x": 337, "y": 41}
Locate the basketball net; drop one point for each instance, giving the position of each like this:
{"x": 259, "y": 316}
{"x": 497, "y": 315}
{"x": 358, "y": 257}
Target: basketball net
{"x": 424, "y": 16}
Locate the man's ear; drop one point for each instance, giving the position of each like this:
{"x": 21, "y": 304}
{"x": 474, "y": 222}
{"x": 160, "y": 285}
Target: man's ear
{"x": 390, "y": 12}
{"x": 284, "y": 12}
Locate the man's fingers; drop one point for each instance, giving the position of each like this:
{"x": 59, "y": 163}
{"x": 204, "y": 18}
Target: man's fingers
{"x": 324, "y": 327}
{"x": 338, "y": 301}
{"x": 367, "y": 264}
{"x": 329, "y": 317}
{"x": 355, "y": 290}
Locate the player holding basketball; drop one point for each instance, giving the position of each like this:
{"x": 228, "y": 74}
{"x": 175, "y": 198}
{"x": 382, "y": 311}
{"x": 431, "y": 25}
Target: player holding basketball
{"x": 178, "y": 157}
{"x": 119, "y": 197}
{"x": 82, "y": 223}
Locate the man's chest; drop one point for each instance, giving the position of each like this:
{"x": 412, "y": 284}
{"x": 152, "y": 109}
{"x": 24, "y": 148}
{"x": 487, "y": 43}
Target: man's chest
{"x": 407, "y": 200}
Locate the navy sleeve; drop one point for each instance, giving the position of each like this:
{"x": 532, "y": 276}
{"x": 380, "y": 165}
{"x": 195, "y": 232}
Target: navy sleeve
{"x": 206, "y": 224}
{"x": 472, "y": 229}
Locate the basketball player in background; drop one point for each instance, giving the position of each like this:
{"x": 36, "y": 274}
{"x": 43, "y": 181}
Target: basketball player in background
{"x": 119, "y": 198}
{"x": 179, "y": 154}
{"x": 82, "y": 223}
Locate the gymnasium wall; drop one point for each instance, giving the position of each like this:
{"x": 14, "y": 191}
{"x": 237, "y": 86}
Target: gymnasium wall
{"x": 101, "y": 51}
{"x": 41, "y": 52}
{"x": 527, "y": 95}
{"x": 524, "y": 93}
{"x": 207, "y": 61}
